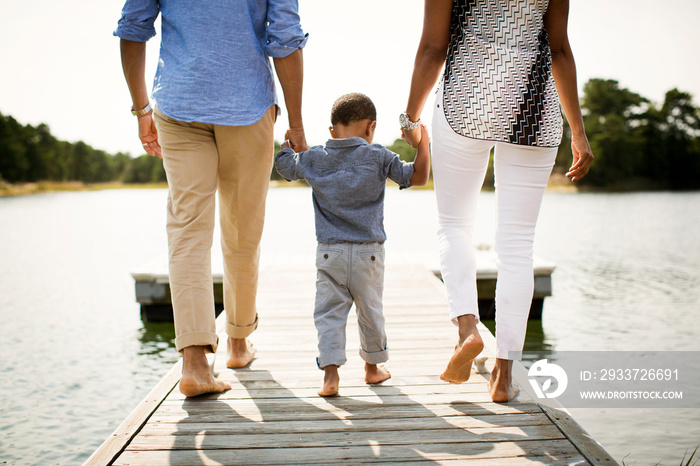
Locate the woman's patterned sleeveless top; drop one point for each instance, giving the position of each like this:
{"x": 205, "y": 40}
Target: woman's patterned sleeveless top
{"x": 498, "y": 81}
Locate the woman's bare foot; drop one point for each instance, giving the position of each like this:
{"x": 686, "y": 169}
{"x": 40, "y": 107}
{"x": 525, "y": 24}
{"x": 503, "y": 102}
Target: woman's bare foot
{"x": 500, "y": 386}
{"x": 375, "y": 373}
{"x": 470, "y": 344}
{"x": 240, "y": 353}
{"x": 331, "y": 381}
{"x": 197, "y": 378}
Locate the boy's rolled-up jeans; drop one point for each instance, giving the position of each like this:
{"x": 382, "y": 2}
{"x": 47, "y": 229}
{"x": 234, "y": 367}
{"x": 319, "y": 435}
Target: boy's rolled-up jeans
{"x": 347, "y": 273}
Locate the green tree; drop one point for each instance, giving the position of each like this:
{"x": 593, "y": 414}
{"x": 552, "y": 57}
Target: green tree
{"x": 144, "y": 169}
{"x": 612, "y": 116}
{"x": 681, "y": 121}
{"x": 403, "y": 149}
{"x": 14, "y": 164}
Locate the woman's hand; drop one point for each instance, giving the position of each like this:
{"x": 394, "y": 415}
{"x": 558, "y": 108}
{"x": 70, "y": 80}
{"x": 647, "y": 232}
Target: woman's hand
{"x": 583, "y": 157}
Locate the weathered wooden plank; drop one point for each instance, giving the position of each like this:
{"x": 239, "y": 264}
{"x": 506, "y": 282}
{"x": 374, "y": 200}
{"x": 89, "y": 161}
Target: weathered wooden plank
{"x": 379, "y": 402}
{"x": 269, "y": 361}
{"x": 589, "y": 447}
{"x": 208, "y": 441}
{"x": 116, "y": 443}
{"x": 349, "y": 391}
{"x": 555, "y": 452}
{"x": 229, "y": 423}
{"x": 310, "y": 379}
{"x": 206, "y": 410}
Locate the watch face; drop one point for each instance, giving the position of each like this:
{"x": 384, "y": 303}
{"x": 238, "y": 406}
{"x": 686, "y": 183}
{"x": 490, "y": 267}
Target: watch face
{"x": 404, "y": 121}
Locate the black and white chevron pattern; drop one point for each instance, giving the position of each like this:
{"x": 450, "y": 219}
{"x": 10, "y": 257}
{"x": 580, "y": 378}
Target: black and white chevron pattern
{"x": 498, "y": 81}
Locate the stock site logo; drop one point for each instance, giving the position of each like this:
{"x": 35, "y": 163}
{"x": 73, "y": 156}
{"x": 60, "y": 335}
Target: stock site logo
{"x": 552, "y": 372}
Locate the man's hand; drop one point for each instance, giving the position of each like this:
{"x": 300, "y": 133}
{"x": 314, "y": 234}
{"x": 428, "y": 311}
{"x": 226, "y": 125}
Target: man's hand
{"x": 149, "y": 135}
{"x": 296, "y": 139}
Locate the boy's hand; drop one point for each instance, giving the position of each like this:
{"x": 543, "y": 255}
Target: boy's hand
{"x": 424, "y": 135}
{"x": 285, "y": 145}
{"x": 412, "y": 136}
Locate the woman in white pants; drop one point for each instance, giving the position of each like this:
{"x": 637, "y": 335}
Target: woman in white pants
{"x": 507, "y": 66}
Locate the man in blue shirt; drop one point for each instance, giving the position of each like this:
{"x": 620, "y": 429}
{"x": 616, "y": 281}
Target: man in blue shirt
{"x": 212, "y": 123}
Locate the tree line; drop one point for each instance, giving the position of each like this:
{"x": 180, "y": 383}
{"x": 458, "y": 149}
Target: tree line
{"x": 31, "y": 153}
{"x": 638, "y": 144}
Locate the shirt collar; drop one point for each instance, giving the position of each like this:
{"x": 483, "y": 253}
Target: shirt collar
{"x": 349, "y": 142}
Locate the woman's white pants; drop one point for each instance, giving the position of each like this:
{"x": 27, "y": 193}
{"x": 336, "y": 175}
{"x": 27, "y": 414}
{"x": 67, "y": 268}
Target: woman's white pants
{"x": 521, "y": 174}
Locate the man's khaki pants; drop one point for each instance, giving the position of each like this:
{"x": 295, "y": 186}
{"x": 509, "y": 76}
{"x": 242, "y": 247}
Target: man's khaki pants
{"x": 198, "y": 158}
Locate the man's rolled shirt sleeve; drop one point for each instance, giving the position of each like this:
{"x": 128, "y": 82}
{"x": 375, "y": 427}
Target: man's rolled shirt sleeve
{"x": 397, "y": 170}
{"x": 287, "y": 164}
{"x": 284, "y": 33}
{"x": 137, "y": 20}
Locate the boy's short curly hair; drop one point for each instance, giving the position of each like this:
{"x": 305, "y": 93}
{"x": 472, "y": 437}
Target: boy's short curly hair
{"x": 352, "y": 107}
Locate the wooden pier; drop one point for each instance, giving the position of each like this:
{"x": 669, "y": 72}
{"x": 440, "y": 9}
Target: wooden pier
{"x": 272, "y": 414}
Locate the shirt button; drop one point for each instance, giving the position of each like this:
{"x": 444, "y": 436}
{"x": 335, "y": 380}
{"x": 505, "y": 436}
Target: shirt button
{"x": 372, "y": 257}
{"x": 325, "y": 256}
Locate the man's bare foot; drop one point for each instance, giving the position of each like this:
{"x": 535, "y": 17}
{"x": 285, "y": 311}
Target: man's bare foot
{"x": 240, "y": 353}
{"x": 501, "y": 388}
{"x": 375, "y": 373}
{"x": 197, "y": 378}
{"x": 470, "y": 344}
{"x": 331, "y": 381}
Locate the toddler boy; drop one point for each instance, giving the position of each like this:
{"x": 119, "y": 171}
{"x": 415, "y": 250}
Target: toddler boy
{"x": 348, "y": 178}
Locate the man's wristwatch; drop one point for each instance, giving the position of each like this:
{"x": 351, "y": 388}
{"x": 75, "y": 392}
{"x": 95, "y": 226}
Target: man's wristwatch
{"x": 142, "y": 112}
{"x": 406, "y": 122}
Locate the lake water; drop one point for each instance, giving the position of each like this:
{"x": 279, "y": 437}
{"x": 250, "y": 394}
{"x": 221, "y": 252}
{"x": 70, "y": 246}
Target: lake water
{"x": 76, "y": 358}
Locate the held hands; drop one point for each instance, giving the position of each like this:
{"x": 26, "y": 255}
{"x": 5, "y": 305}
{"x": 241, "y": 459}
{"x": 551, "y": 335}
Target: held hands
{"x": 414, "y": 137}
{"x": 583, "y": 157}
{"x": 149, "y": 135}
{"x": 296, "y": 139}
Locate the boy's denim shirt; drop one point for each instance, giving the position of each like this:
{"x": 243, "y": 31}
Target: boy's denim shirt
{"x": 348, "y": 178}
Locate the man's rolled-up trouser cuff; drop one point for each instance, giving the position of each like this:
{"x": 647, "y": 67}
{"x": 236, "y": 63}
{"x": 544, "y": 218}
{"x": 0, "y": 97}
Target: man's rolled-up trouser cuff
{"x": 376, "y": 357}
{"x": 238, "y": 332}
{"x": 210, "y": 340}
{"x": 332, "y": 358}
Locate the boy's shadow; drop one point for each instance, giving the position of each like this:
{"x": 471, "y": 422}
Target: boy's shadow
{"x": 433, "y": 439}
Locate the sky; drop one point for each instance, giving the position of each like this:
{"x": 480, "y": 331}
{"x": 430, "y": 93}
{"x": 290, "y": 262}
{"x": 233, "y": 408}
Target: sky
{"x": 60, "y": 65}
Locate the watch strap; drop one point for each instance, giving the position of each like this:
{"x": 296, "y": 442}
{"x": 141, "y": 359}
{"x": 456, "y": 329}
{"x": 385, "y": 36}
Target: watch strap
{"x": 406, "y": 122}
{"x": 142, "y": 112}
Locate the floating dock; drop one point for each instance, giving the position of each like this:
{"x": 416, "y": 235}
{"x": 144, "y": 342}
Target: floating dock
{"x": 152, "y": 287}
{"x": 272, "y": 415}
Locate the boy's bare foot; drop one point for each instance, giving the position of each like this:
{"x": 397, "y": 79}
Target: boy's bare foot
{"x": 469, "y": 346}
{"x": 240, "y": 353}
{"x": 375, "y": 373}
{"x": 331, "y": 381}
{"x": 197, "y": 378}
{"x": 500, "y": 387}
